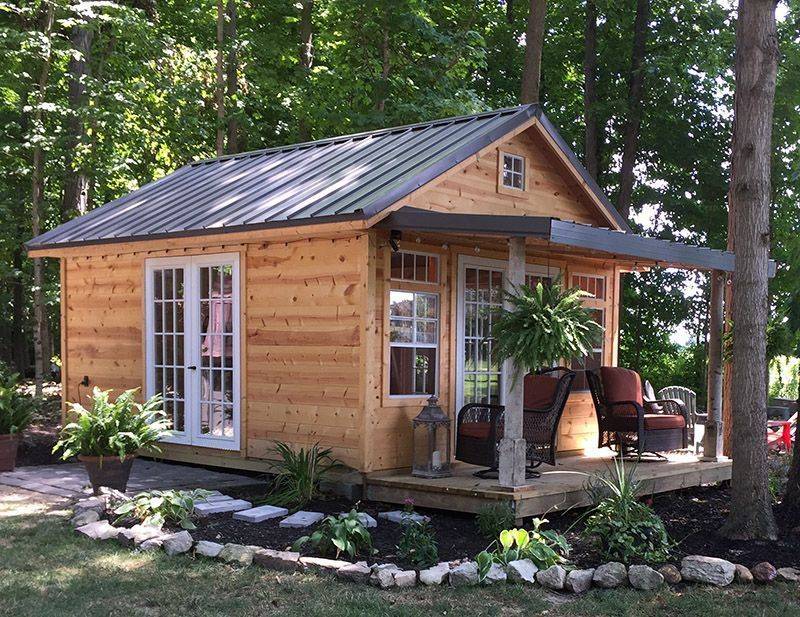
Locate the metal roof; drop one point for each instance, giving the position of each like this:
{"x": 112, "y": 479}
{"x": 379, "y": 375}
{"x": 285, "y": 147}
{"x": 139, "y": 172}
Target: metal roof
{"x": 616, "y": 244}
{"x": 350, "y": 177}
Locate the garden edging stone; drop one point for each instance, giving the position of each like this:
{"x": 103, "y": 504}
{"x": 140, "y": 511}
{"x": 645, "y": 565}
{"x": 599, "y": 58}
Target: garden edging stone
{"x": 708, "y": 570}
{"x": 610, "y": 575}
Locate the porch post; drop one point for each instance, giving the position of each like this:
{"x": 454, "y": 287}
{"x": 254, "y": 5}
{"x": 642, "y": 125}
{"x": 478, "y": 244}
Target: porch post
{"x": 712, "y": 439}
{"x": 513, "y": 446}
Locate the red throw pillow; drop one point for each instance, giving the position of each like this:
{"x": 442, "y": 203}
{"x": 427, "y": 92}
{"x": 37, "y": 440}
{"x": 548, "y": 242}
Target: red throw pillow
{"x": 621, "y": 384}
{"x": 539, "y": 391}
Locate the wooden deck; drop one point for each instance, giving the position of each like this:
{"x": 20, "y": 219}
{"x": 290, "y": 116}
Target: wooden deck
{"x": 559, "y": 488}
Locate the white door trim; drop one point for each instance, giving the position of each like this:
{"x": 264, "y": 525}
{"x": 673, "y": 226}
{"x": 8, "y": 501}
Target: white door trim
{"x": 497, "y": 264}
{"x": 191, "y": 266}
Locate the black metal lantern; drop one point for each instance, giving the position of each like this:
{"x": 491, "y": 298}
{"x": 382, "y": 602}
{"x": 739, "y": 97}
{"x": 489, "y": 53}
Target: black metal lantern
{"x": 431, "y": 442}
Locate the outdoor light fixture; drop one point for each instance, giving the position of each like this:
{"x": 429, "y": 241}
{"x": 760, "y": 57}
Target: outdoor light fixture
{"x": 431, "y": 442}
{"x": 394, "y": 237}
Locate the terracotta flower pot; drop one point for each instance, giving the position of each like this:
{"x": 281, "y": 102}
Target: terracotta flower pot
{"x": 8, "y": 451}
{"x": 107, "y": 471}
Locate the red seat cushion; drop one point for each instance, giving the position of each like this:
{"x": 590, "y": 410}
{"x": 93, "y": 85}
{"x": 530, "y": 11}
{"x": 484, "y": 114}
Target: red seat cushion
{"x": 652, "y": 422}
{"x": 539, "y": 391}
{"x": 476, "y": 430}
{"x": 621, "y": 384}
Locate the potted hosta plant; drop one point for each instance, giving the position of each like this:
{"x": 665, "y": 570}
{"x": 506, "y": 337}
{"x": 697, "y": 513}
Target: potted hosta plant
{"x": 107, "y": 437}
{"x": 16, "y": 411}
{"x": 544, "y": 325}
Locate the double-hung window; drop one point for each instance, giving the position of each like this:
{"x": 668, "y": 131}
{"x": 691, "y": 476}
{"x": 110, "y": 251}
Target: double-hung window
{"x": 413, "y": 342}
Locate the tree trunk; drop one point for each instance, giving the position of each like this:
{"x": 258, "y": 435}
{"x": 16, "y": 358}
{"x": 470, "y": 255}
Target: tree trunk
{"x": 630, "y": 138}
{"x": 232, "y": 79}
{"x": 755, "y": 74}
{"x": 306, "y": 60}
{"x": 76, "y": 182}
{"x": 40, "y": 336}
{"x": 790, "y": 504}
{"x": 510, "y": 11}
{"x": 380, "y": 101}
{"x": 220, "y": 78}
{"x": 534, "y": 41}
{"x": 591, "y": 152}
{"x": 18, "y": 338}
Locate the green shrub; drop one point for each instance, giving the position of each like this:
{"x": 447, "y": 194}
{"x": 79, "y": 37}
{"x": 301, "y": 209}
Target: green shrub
{"x": 119, "y": 429}
{"x": 545, "y": 548}
{"x": 16, "y": 408}
{"x": 339, "y": 535}
{"x": 159, "y": 507}
{"x": 299, "y": 474}
{"x": 418, "y": 545}
{"x": 626, "y": 529}
{"x": 494, "y": 518}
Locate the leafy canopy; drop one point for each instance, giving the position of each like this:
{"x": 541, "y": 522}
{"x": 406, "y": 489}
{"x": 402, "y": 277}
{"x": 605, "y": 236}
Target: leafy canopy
{"x": 545, "y": 325}
{"x": 118, "y": 428}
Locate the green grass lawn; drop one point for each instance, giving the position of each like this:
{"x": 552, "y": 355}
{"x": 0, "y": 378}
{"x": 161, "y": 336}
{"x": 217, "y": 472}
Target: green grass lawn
{"x": 45, "y": 570}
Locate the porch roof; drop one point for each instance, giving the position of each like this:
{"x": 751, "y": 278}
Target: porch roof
{"x": 600, "y": 241}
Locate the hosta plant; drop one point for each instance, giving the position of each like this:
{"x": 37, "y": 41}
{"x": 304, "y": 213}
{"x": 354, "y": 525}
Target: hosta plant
{"x": 159, "y": 507}
{"x": 543, "y": 547}
{"x": 336, "y": 536}
{"x": 298, "y": 474}
{"x": 113, "y": 428}
{"x": 545, "y": 325}
{"x": 16, "y": 408}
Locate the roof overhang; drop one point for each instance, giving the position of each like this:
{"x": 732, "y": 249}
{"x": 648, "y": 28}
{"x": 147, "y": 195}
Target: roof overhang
{"x": 601, "y": 242}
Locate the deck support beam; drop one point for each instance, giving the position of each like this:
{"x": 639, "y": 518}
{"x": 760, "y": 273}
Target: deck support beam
{"x": 712, "y": 440}
{"x": 513, "y": 446}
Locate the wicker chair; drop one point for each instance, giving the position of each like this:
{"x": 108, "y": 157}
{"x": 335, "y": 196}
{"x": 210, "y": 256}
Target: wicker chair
{"x": 480, "y": 427}
{"x": 630, "y": 425}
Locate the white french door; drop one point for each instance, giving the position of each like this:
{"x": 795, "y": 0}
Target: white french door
{"x": 479, "y": 379}
{"x": 192, "y": 346}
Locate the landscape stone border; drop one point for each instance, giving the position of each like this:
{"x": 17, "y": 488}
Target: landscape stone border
{"x": 693, "y": 569}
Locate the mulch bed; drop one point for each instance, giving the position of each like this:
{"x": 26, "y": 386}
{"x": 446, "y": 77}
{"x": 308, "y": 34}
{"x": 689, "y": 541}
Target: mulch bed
{"x": 692, "y": 517}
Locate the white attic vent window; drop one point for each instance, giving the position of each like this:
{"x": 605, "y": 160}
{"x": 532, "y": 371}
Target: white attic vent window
{"x": 513, "y": 175}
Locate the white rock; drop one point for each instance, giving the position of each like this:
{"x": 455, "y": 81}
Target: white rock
{"x": 321, "y": 564}
{"x": 496, "y": 574}
{"x": 522, "y": 571}
{"x": 301, "y": 519}
{"x": 215, "y": 498}
{"x": 177, "y": 543}
{"x": 204, "y": 548}
{"x": 218, "y": 507}
{"x": 99, "y": 530}
{"x": 138, "y": 534}
{"x": 789, "y": 574}
{"x": 84, "y": 517}
{"x": 406, "y": 578}
{"x": 288, "y": 561}
{"x": 152, "y": 544}
{"x": 366, "y": 520}
{"x": 236, "y": 553}
{"x": 259, "y": 514}
{"x": 464, "y": 574}
{"x": 644, "y": 578}
{"x": 436, "y": 575}
{"x": 578, "y": 581}
{"x": 402, "y": 517}
{"x": 610, "y": 575}
{"x": 357, "y": 572}
{"x": 383, "y": 575}
{"x": 553, "y": 577}
{"x": 708, "y": 570}
{"x": 98, "y": 504}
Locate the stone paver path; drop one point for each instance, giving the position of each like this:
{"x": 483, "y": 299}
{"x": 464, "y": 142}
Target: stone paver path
{"x": 70, "y": 479}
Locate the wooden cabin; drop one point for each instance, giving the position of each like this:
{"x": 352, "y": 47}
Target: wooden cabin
{"x": 320, "y": 292}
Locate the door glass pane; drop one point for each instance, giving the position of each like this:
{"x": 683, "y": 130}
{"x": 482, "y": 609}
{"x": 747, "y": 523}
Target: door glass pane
{"x": 167, "y": 340}
{"x": 482, "y": 296}
{"x": 216, "y": 351}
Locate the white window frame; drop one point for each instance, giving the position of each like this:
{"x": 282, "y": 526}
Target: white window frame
{"x": 465, "y": 261}
{"x": 601, "y": 350}
{"x": 413, "y": 344}
{"x": 191, "y": 275}
{"x": 423, "y": 254}
{"x": 521, "y": 174}
{"x": 573, "y": 275}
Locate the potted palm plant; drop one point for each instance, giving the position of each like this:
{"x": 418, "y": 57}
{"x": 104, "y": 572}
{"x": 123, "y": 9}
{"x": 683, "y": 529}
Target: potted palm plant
{"x": 107, "y": 437}
{"x": 542, "y": 326}
{"x": 16, "y": 411}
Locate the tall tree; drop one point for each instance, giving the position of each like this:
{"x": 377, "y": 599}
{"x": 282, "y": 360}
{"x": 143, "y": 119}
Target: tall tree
{"x": 306, "y": 57}
{"x": 534, "y": 41}
{"x": 219, "y": 90}
{"x": 630, "y": 138}
{"x": 232, "y": 79}
{"x": 41, "y": 335}
{"x": 76, "y": 180}
{"x": 755, "y": 72}
{"x": 591, "y": 148}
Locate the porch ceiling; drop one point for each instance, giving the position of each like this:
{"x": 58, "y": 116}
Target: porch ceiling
{"x": 576, "y": 237}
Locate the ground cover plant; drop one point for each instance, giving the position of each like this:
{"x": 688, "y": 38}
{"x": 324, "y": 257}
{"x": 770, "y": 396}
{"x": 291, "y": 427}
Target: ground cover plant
{"x": 160, "y": 507}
